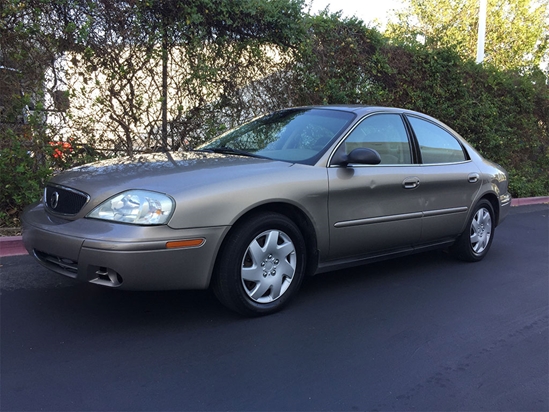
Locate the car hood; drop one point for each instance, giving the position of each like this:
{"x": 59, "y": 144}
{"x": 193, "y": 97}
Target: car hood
{"x": 170, "y": 173}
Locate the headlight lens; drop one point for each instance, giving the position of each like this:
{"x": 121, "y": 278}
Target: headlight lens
{"x": 139, "y": 207}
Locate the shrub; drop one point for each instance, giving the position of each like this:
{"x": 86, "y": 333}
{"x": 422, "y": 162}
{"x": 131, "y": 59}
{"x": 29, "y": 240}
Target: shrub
{"x": 22, "y": 178}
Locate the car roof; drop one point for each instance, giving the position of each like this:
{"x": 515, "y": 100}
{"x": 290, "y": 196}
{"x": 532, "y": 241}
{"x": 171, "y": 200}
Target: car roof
{"x": 362, "y": 109}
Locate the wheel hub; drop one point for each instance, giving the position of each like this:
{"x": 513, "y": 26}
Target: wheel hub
{"x": 269, "y": 265}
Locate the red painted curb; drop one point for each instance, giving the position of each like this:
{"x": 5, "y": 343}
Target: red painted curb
{"x": 13, "y": 245}
{"x": 530, "y": 201}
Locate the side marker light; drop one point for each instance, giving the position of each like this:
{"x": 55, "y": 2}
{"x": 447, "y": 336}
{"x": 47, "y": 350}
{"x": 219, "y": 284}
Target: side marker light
{"x": 179, "y": 244}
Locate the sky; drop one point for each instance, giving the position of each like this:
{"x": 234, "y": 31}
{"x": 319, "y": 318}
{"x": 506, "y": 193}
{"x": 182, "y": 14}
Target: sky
{"x": 366, "y": 10}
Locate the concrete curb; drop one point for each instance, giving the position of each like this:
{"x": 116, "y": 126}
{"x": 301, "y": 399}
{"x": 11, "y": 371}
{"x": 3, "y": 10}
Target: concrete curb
{"x": 13, "y": 245}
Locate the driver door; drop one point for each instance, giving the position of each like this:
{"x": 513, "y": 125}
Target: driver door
{"x": 375, "y": 208}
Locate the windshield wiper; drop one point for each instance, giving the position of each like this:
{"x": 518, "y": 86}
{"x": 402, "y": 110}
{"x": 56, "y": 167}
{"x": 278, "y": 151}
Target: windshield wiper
{"x": 230, "y": 150}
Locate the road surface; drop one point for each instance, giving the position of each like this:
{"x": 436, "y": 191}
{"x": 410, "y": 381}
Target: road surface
{"x": 425, "y": 333}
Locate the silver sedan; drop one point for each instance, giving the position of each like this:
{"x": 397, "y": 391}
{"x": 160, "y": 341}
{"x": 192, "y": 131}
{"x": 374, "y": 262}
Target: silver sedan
{"x": 250, "y": 213}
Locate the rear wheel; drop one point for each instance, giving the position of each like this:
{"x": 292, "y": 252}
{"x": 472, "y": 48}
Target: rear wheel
{"x": 474, "y": 243}
{"x": 261, "y": 265}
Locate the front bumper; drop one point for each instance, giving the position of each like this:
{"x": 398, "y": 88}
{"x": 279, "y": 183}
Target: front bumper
{"x": 119, "y": 255}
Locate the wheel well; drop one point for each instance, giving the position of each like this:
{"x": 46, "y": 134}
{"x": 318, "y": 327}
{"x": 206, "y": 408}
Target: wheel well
{"x": 298, "y": 217}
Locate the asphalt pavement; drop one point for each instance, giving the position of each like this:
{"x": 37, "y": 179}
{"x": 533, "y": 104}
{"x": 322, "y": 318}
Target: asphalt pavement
{"x": 424, "y": 333}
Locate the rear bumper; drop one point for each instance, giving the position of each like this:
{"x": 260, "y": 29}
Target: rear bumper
{"x": 504, "y": 206}
{"x": 122, "y": 256}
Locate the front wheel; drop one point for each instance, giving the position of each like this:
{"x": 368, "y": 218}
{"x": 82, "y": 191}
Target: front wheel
{"x": 474, "y": 243}
{"x": 261, "y": 265}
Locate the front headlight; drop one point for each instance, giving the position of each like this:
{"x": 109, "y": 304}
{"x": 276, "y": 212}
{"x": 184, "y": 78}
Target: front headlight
{"x": 139, "y": 207}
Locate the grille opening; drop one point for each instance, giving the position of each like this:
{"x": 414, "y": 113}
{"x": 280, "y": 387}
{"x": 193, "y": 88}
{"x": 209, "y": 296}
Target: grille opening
{"x": 65, "y": 201}
{"x": 58, "y": 264}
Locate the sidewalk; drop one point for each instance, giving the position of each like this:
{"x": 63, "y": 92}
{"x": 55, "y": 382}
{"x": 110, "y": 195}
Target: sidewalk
{"x": 13, "y": 245}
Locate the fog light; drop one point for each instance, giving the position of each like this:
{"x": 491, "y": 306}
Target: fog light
{"x": 107, "y": 277}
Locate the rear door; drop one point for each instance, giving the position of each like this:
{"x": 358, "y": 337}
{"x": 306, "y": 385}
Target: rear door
{"x": 449, "y": 180}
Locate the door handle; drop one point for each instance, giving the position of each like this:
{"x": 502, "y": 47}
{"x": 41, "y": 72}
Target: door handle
{"x": 473, "y": 177}
{"x": 410, "y": 182}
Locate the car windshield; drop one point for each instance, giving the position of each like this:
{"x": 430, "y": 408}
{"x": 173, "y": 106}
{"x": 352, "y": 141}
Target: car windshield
{"x": 295, "y": 135}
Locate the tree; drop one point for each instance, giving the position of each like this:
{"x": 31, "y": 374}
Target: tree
{"x": 517, "y": 31}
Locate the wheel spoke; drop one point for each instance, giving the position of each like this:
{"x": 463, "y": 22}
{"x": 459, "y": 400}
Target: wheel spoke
{"x": 276, "y": 288}
{"x": 286, "y": 269}
{"x": 476, "y": 247}
{"x": 256, "y": 253}
{"x": 271, "y": 243}
{"x": 260, "y": 290}
{"x": 474, "y": 238}
{"x": 285, "y": 249}
{"x": 475, "y": 223}
{"x": 485, "y": 218}
{"x": 484, "y": 242}
{"x": 252, "y": 274}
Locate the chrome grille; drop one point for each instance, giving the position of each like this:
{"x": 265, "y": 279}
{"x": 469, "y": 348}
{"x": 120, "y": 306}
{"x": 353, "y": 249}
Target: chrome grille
{"x": 64, "y": 200}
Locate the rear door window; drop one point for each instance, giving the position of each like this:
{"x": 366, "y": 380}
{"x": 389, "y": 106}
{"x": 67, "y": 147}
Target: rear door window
{"x": 436, "y": 144}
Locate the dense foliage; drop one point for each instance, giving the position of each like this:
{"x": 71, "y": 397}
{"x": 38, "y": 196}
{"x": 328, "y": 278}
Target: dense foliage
{"x": 96, "y": 78}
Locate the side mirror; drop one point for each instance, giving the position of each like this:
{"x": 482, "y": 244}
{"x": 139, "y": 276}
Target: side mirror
{"x": 360, "y": 155}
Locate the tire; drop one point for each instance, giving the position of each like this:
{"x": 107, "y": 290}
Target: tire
{"x": 261, "y": 265}
{"x": 474, "y": 243}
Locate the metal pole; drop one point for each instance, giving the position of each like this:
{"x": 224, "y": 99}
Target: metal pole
{"x": 481, "y": 31}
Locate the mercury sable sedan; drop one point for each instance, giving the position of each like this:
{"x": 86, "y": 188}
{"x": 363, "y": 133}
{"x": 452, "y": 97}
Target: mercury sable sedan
{"x": 250, "y": 213}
